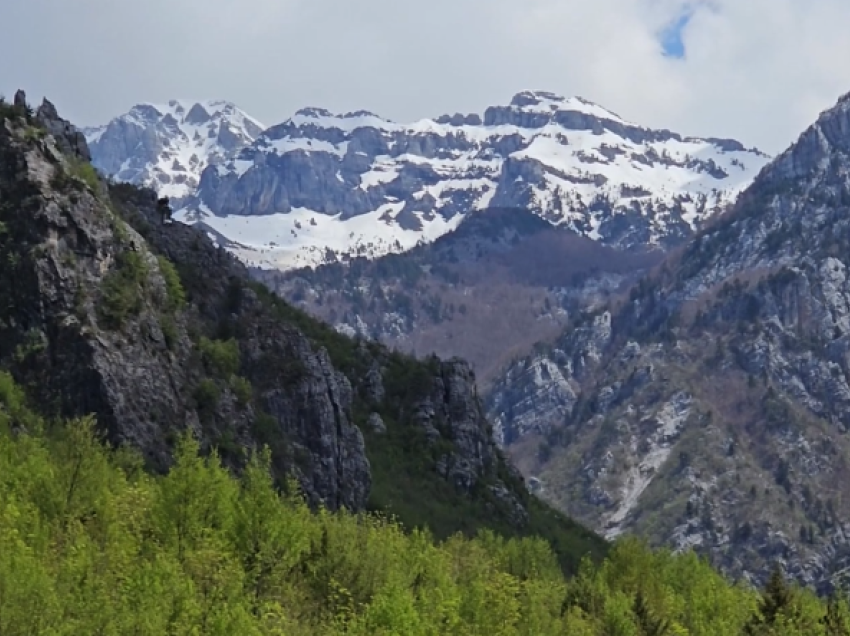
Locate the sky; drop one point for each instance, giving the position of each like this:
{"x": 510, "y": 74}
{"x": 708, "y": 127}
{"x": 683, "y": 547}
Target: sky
{"x": 756, "y": 70}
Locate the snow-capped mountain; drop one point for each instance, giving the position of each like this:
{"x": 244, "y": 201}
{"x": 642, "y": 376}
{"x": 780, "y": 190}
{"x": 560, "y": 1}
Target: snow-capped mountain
{"x": 167, "y": 146}
{"x": 319, "y": 186}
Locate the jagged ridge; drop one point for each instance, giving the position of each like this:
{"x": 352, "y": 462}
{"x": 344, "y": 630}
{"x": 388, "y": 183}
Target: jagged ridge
{"x": 320, "y": 186}
{"x": 168, "y": 146}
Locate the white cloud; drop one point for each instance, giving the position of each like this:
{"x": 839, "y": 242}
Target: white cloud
{"x": 757, "y": 70}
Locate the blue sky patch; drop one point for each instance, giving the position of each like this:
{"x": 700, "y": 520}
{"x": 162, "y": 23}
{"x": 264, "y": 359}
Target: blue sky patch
{"x": 671, "y": 37}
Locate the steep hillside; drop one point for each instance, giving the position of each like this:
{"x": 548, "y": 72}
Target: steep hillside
{"x": 105, "y": 310}
{"x": 320, "y": 187}
{"x": 168, "y": 146}
{"x": 487, "y": 291}
{"x": 710, "y": 408}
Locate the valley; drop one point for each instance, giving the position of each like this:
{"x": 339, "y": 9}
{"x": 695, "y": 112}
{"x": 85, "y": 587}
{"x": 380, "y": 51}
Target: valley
{"x": 646, "y": 381}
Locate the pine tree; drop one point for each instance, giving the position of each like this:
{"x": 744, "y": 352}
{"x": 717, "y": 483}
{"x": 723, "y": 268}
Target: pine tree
{"x": 777, "y": 600}
{"x": 834, "y": 621}
{"x": 649, "y": 625}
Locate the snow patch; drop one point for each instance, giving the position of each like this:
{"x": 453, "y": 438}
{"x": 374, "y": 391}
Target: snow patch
{"x": 304, "y": 238}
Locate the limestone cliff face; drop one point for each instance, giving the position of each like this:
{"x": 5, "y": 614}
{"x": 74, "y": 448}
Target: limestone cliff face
{"x": 105, "y": 310}
{"x": 710, "y": 407}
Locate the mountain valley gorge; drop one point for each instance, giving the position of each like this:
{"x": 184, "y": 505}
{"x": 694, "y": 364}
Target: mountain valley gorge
{"x": 634, "y": 346}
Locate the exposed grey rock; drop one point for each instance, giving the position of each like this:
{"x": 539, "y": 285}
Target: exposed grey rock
{"x": 20, "y": 99}
{"x": 374, "y": 385}
{"x": 138, "y": 383}
{"x": 69, "y": 140}
{"x": 376, "y": 423}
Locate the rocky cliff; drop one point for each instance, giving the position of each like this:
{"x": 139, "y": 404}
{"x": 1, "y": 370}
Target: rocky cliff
{"x": 709, "y": 407}
{"x": 104, "y": 309}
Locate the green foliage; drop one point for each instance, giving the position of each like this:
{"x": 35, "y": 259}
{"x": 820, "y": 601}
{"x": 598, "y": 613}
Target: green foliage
{"x": 404, "y": 479}
{"x": 34, "y": 343}
{"x": 33, "y": 133}
{"x": 242, "y": 389}
{"x": 207, "y": 396}
{"x": 10, "y": 111}
{"x": 175, "y": 294}
{"x": 85, "y": 172}
{"x": 89, "y": 544}
{"x": 221, "y": 357}
{"x": 122, "y": 292}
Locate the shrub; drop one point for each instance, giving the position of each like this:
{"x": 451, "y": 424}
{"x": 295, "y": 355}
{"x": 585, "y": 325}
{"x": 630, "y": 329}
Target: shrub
{"x": 86, "y": 173}
{"x": 169, "y": 331}
{"x": 176, "y": 295}
{"x": 122, "y": 290}
{"x": 242, "y": 389}
{"x": 221, "y": 357}
{"x": 207, "y": 396}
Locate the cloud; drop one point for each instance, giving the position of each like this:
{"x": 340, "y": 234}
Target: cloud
{"x": 757, "y": 70}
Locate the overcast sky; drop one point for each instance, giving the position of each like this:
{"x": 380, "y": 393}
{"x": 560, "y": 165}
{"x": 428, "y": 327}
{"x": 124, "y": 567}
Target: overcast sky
{"x": 756, "y": 70}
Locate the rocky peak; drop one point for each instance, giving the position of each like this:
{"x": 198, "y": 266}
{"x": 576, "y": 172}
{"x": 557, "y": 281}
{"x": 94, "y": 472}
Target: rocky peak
{"x": 167, "y": 146}
{"x": 68, "y": 139}
{"x": 197, "y": 115}
{"x": 816, "y": 150}
{"x": 313, "y": 112}
{"x": 20, "y": 100}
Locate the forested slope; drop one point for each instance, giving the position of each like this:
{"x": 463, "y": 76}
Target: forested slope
{"x": 90, "y": 543}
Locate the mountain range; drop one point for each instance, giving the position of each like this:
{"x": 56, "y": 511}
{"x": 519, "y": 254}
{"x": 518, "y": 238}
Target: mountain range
{"x": 320, "y": 187}
{"x": 660, "y": 322}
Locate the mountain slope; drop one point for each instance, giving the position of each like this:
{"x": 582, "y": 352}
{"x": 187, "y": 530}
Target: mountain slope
{"x": 168, "y": 146}
{"x": 487, "y": 291}
{"x": 105, "y": 310}
{"x": 320, "y": 186}
{"x": 710, "y": 407}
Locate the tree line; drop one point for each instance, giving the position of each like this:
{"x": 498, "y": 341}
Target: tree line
{"x": 91, "y": 543}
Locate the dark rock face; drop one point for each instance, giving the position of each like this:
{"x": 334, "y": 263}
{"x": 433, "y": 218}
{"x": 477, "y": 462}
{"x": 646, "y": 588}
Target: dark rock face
{"x": 67, "y": 138}
{"x": 89, "y": 324}
{"x": 127, "y": 377}
{"x": 140, "y": 387}
{"x": 454, "y": 413}
{"x": 309, "y": 402}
